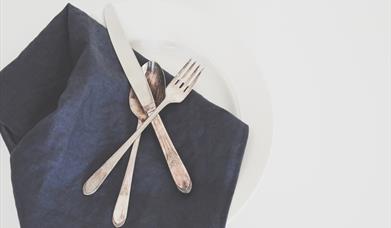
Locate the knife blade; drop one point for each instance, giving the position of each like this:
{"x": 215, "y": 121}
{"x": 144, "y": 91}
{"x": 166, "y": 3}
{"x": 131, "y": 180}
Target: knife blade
{"x": 141, "y": 88}
{"x": 128, "y": 59}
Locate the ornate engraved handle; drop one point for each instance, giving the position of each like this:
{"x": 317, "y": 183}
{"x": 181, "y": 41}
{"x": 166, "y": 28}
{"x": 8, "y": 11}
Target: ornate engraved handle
{"x": 121, "y": 206}
{"x": 175, "y": 164}
{"x": 177, "y": 168}
{"x": 97, "y": 179}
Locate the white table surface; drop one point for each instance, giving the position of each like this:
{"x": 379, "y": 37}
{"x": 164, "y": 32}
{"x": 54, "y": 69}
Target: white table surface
{"x": 327, "y": 65}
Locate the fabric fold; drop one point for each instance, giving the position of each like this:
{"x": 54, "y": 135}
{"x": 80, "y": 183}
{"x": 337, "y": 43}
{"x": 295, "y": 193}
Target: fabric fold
{"x": 64, "y": 110}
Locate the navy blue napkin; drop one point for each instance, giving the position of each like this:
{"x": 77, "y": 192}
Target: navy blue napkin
{"x": 64, "y": 110}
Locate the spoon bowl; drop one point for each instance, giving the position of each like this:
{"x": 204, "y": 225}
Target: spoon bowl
{"x": 157, "y": 82}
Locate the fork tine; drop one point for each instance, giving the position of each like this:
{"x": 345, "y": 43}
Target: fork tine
{"x": 182, "y": 69}
{"x": 193, "y": 80}
{"x": 192, "y": 74}
{"x": 186, "y": 74}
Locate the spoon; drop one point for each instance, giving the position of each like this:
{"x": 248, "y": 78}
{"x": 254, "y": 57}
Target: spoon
{"x": 157, "y": 83}
{"x": 177, "y": 169}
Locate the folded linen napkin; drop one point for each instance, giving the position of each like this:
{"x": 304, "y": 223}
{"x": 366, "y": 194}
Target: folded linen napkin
{"x": 64, "y": 110}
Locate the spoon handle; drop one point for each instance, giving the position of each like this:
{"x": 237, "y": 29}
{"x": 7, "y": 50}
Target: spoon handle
{"x": 177, "y": 168}
{"x": 121, "y": 206}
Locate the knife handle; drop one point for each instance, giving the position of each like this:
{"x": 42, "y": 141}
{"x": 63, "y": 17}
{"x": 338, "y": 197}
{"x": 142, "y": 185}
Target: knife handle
{"x": 177, "y": 168}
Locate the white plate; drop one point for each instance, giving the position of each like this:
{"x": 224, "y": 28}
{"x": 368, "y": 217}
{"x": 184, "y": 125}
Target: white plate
{"x": 199, "y": 34}
{"x": 231, "y": 80}
{"x": 216, "y": 88}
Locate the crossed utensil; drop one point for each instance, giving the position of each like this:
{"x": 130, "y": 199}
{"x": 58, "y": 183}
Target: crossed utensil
{"x": 177, "y": 90}
{"x": 147, "y": 97}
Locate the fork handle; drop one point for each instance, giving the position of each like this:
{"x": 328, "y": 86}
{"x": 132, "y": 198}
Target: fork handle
{"x": 177, "y": 168}
{"x": 96, "y": 179}
{"x": 99, "y": 176}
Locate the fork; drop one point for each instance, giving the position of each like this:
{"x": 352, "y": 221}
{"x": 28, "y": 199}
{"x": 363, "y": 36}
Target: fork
{"x": 176, "y": 91}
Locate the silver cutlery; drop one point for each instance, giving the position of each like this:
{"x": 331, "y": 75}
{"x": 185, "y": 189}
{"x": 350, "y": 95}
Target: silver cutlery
{"x": 140, "y": 86}
{"x": 157, "y": 83}
{"x": 177, "y": 90}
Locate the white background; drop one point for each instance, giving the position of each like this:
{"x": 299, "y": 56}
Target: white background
{"x": 327, "y": 66}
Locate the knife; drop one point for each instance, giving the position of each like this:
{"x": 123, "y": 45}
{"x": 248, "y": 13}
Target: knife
{"x": 141, "y": 88}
